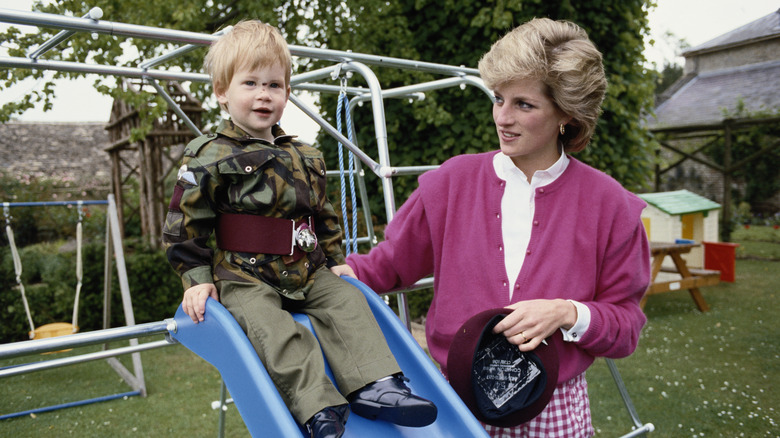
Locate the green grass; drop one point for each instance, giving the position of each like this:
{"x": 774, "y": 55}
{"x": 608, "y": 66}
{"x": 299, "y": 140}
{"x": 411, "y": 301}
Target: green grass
{"x": 694, "y": 374}
{"x": 180, "y": 386}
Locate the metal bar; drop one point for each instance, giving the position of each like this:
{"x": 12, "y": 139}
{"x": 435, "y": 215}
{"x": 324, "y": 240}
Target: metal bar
{"x": 52, "y": 203}
{"x": 174, "y": 106}
{"x": 108, "y": 27}
{"x": 412, "y": 170}
{"x": 70, "y": 405}
{"x": 87, "y": 357}
{"x": 170, "y": 35}
{"x": 641, "y": 428}
{"x": 131, "y": 72}
{"x": 380, "y": 128}
{"x": 375, "y": 167}
{"x": 178, "y": 52}
{"x": 93, "y": 14}
{"x": 222, "y": 409}
{"x": 314, "y": 75}
{"x": 23, "y": 348}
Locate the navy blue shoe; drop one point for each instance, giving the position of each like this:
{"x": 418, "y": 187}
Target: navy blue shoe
{"x": 392, "y": 401}
{"x": 329, "y": 422}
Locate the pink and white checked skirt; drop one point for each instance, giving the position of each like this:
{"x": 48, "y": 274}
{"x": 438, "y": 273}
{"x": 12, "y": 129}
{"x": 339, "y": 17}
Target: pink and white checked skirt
{"x": 566, "y": 416}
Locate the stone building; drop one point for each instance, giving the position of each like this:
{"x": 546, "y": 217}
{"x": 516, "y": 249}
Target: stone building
{"x": 739, "y": 69}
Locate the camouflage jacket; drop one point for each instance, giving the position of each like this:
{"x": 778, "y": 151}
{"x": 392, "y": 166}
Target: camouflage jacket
{"x": 231, "y": 172}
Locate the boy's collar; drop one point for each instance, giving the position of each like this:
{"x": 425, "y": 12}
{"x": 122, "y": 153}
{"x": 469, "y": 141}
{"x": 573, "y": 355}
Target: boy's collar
{"x": 230, "y": 129}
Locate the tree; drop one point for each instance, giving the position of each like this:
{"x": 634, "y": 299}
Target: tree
{"x": 448, "y": 32}
{"x": 669, "y": 75}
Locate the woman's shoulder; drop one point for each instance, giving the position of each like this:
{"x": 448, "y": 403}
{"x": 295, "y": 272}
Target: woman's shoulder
{"x": 460, "y": 165}
{"x": 599, "y": 182}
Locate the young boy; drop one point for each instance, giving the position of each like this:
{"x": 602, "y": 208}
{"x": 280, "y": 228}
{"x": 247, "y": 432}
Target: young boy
{"x": 277, "y": 235}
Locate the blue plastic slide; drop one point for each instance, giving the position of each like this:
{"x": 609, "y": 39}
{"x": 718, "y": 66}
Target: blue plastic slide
{"x": 220, "y": 341}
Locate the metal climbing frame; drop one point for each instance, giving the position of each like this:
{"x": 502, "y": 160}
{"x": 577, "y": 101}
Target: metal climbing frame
{"x": 114, "y": 253}
{"x": 344, "y": 63}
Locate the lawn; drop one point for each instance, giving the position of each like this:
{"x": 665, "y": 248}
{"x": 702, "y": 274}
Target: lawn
{"x": 694, "y": 374}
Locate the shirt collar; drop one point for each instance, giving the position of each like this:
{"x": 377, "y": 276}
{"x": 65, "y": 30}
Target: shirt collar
{"x": 505, "y": 167}
{"x": 230, "y": 129}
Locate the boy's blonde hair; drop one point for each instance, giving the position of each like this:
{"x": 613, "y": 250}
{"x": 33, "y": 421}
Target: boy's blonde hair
{"x": 250, "y": 44}
{"x": 559, "y": 54}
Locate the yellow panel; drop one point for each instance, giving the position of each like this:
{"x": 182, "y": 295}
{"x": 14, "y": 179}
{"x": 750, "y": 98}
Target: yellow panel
{"x": 687, "y": 226}
{"x": 646, "y": 223}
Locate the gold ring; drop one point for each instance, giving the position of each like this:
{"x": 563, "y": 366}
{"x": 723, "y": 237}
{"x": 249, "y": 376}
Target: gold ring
{"x": 524, "y": 338}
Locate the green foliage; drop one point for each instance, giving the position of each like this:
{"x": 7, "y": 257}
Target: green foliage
{"x": 445, "y": 124}
{"x": 450, "y": 122}
{"x": 759, "y": 175}
{"x": 669, "y": 75}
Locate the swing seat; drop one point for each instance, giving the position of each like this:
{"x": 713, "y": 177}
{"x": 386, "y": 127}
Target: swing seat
{"x": 52, "y": 330}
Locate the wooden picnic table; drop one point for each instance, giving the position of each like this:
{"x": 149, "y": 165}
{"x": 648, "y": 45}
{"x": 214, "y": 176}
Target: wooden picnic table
{"x": 692, "y": 279}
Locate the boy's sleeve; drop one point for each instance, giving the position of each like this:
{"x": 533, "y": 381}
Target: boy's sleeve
{"x": 189, "y": 223}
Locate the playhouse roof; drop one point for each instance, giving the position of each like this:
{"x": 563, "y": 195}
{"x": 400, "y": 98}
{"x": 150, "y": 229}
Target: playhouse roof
{"x": 679, "y": 202}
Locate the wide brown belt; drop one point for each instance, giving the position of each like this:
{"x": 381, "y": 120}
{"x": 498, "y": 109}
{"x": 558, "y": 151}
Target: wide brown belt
{"x": 263, "y": 235}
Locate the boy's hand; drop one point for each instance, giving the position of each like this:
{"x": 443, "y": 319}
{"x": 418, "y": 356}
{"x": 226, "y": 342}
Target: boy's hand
{"x": 343, "y": 270}
{"x": 194, "y": 302}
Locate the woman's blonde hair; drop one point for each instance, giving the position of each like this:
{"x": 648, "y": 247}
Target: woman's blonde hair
{"x": 249, "y": 44}
{"x": 559, "y": 54}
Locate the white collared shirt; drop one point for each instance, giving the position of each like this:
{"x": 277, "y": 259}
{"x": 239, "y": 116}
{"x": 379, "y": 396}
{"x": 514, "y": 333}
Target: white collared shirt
{"x": 517, "y": 212}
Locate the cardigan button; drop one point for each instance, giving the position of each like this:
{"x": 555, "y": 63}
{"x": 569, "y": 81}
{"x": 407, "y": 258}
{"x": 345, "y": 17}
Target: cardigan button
{"x": 498, "y": 215}
{"x": 536, "y": 222}
{"x": 500, "y": 248}
{"x": 528, "y": 252}
{"x": 541, "y": 190}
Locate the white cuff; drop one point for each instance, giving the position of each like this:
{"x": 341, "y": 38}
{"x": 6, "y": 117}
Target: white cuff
{"x": 583, "y": 322}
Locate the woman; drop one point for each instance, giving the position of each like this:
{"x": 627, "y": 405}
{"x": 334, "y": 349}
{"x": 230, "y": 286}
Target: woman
{"x": 528, "y": 227}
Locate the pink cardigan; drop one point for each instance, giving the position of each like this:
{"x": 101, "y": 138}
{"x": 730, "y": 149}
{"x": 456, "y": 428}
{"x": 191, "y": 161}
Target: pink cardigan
{"x": 588, "y": 244}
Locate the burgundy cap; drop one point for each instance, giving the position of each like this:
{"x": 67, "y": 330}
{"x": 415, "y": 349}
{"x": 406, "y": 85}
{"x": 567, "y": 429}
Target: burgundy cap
{"x": 502, "y": 385}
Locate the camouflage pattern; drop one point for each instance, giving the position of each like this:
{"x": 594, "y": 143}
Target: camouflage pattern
{"x": 231, "y": 172}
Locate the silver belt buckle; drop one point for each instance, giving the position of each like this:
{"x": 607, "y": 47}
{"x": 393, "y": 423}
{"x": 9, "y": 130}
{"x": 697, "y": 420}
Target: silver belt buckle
{"x": 305, "y": 238}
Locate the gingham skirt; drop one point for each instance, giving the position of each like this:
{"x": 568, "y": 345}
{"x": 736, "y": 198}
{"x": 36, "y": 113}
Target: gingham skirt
{"x": 566, "y": 416}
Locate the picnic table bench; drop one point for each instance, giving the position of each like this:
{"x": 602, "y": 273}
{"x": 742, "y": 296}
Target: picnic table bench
{"x": 692, "y": 279}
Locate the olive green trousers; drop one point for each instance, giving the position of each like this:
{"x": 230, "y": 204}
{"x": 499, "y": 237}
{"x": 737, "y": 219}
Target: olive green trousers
{"x": 349, "y": 335}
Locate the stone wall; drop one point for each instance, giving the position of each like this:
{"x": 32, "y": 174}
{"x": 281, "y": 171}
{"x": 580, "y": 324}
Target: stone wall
{"x": 69, "y": 151}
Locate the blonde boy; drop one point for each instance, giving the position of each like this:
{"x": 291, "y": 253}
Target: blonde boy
{"x": 263, "y": 194}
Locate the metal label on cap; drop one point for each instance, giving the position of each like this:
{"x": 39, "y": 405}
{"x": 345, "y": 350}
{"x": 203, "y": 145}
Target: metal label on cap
{"x": 502, "y": 371}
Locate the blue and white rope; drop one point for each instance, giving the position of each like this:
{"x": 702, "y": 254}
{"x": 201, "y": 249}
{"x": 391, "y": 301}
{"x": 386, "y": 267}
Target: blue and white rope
{"x": 350, "y": 237}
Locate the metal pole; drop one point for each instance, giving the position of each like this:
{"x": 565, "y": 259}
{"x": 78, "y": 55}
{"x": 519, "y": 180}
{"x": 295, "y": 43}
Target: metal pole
{"x": 169, "y": 35}
{"x": 375, "y": 167}
{"x": 87, "y": 357}
{"x": 93, "y": 14}
{"x": 174, "y": 106}
{"x": 24, "y": 348}
{"x": 380, "y": 127}
{"x": 52, "y": 203}
{"x": 75, "y": 67}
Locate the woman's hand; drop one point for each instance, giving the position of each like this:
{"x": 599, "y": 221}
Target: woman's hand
{"x": 194, "y": 302}
{"x": 533, "y": 321}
